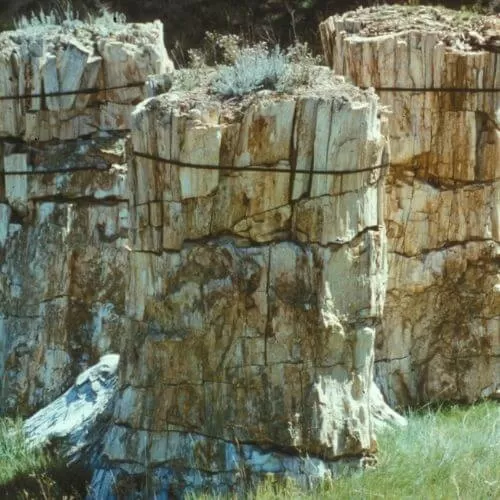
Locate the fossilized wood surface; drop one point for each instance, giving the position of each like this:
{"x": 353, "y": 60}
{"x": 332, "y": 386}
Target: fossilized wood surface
{"x": 64, "y": 200}
{"x": 62, "y": 275}
{"x": 254, "y": 296}
{"x": 245, "y": 307}
{"x": 441, "y": 334}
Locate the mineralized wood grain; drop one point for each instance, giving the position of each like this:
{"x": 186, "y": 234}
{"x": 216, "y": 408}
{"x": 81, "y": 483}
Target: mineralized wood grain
{"x": 44, "y": 60}
{"x": 441, "y": 335}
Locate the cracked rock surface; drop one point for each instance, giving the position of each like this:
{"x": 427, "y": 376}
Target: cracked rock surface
{"x": 64, "y": 215}
{"x": 441, "y": 328}
{"x": 44, "y": 61}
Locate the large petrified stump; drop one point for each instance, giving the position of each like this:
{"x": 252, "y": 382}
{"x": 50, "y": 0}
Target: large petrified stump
{"x": 254, "y": 295}
{"x": 441, "y": 334}
{"x": 63, "y": 198}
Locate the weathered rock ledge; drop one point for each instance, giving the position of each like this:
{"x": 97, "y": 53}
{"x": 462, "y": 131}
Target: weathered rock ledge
{"x": 441, "y": 328}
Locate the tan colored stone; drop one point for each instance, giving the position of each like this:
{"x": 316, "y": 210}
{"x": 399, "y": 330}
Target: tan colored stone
{"x": 243, "y": 303}
{"x": 440, "y": 334}
{"x": 258, "y": 205}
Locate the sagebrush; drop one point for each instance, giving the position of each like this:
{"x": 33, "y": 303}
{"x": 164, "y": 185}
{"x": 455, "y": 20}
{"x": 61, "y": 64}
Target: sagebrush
{"x": 258, "y": 68}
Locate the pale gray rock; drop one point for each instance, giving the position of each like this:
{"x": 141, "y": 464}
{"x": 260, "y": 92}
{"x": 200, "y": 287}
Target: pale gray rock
{"x": 72, "y": 66}
{"x": 158, "y": 84}
{"x": 74, "y": 424}
{"x": 383, "y": 415}
{"x": 51, "y": 82}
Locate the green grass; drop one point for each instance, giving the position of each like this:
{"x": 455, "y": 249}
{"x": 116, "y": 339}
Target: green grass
{"x": 16, "y": 458}
{"x": 31, "y": 473}
{"x": 448, "y": 453}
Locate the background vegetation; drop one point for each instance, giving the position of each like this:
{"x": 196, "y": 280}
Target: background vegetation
{"x": 186, "y": 21}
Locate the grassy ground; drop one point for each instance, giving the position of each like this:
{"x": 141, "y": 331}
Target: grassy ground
{"x": 15, "y": 457}
{"x": 27, "y": 473}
